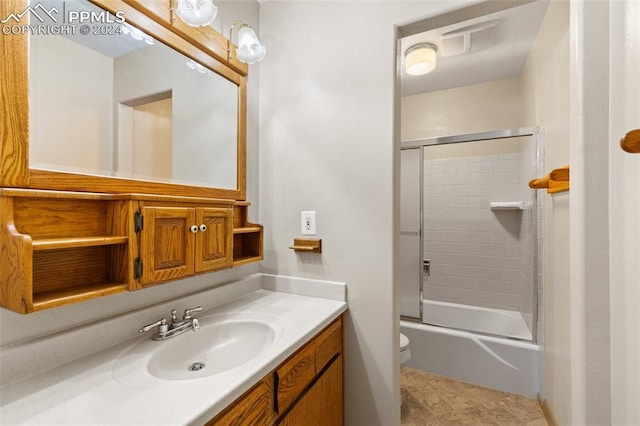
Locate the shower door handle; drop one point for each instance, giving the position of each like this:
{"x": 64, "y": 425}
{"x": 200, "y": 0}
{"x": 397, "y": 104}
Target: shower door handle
{"x": 426, "y": 266}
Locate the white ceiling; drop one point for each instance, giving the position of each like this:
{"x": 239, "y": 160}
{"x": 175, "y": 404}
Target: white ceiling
{"x": 516, "y": 30}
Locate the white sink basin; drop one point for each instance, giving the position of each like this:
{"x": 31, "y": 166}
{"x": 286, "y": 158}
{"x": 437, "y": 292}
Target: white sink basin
{"x": 224, "y": 342}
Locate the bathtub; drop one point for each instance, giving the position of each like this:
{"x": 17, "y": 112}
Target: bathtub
{"x": 498, "y": 322}
{"x": 499, "y": 363}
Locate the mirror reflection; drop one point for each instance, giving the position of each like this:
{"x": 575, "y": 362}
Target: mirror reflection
{"x": 116, "y": 102}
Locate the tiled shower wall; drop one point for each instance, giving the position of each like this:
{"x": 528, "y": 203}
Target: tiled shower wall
{"x": 478, "y": 256}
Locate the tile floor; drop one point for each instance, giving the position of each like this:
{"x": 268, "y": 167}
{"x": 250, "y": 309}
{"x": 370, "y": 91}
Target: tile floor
{"x": 431, "y": 400}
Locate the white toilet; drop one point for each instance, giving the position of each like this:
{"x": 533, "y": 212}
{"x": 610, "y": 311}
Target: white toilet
{"x": 405, "y": 352}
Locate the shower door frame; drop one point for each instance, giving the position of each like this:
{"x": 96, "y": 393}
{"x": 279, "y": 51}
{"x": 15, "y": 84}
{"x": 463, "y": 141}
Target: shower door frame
{"x": 534, "y": 132}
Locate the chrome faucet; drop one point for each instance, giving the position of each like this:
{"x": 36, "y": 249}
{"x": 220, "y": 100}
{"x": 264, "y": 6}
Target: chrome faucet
{"x": 167, "y": 331}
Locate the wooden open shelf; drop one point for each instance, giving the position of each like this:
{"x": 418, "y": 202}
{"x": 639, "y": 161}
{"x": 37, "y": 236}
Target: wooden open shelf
{"x": 53, "y": 298}
{"x": 61, "y": 248}
{"x": 247, "y": 230}
{"x": 64, "y": 243}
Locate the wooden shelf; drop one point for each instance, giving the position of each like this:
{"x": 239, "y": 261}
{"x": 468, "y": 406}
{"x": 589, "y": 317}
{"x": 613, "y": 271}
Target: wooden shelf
{"x": 247, "y": 230}
{"x": 66, "y": 243}
{"x": 245, "y": 259}
{"x": 51, "y": 299}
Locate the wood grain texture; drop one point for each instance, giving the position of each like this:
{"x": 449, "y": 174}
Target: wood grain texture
{"x": 558, "y": 186}
{"x": 15, "y": 263}
{"x": 120, "y": 224}
{"x": 631, "y": 142}
{"x": 323, "y": 404}
{"x": 539, "y": 183}
{"x": 61, "y": 181}
{"x": 294, "y": 375}
{"x": 560, "y": 174}
{"x": 309, "y": 245}
{"x": 252, "y": 409}
{"x": 329, "y": 344}
{"x": 60, "y": 218}
{"x": 14, "y": 101}
{"x": 214, "y": 247}
{"x": 167, "y": 244}
{"x": 64, "y": 243}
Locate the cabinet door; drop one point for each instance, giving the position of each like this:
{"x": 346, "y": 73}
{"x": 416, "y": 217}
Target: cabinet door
{"x": 167, "y": 243}
{"x": 251, "y": 409}
{"x": 214, "y": 245}
{"x": 322, "y": 405}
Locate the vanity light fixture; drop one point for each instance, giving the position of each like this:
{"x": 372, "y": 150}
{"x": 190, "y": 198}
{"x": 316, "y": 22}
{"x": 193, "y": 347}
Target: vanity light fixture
{"x": 195, "y": 13}
{"x": 249, "y": 49}
{"x": 420, "y": 59}
{"x": 196, "y": 66}
{"x": 136, "y": 34}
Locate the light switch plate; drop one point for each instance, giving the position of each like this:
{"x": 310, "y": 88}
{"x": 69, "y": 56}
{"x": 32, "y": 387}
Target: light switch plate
{"x": 308, "y": 224}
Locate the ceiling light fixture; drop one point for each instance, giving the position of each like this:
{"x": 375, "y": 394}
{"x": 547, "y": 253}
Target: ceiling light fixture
{"x": 249, "y": 49}
{"x": 420, "y": 59}
{"x": 195, "y": 13}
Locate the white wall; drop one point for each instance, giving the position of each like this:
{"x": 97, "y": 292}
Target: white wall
{"x": 204, "y": 113}
{"x": 327, "y": 144}
{"x": 482, "y": 107}
{"x": 70, "y": 115}
{"x": 545, "y": 103}
{"x": 624, "y": 208}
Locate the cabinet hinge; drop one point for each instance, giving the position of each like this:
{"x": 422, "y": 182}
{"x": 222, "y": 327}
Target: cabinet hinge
{"x": 138, "y": 221}
{"x": 137, "y": 268}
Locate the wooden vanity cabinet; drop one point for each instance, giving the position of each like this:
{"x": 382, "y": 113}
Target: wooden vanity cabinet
{"x": 181, "y": 241}
{"x": 306, "y": 389}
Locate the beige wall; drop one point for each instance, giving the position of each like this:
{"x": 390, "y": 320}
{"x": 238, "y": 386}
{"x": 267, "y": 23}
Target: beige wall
{"x": 483, "y": 107}
{"x": 545, "y": 103}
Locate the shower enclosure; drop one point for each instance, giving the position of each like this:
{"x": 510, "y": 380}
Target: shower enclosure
{"x": 470, "y": 246}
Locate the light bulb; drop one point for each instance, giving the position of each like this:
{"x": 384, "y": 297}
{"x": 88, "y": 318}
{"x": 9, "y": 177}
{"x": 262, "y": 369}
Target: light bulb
{"x": 249, "y": 49}
{"x": 196, "y": 13}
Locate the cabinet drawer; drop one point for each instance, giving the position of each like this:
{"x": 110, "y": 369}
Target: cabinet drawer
{"x": 253, "y": 408}
{"x": 294, "y": 376}
{"x": 328, "y": 344}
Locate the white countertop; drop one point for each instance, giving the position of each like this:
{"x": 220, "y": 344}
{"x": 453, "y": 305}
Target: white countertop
{"x": 86, "y": 392}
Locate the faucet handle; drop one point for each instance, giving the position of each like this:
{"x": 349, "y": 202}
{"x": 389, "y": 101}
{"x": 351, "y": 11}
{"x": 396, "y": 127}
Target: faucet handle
{"x": 188, "y": 312}
{"x": 161, "y": 324}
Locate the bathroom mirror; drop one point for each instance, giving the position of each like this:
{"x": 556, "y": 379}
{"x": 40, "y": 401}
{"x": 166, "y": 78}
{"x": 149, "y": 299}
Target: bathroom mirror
{"x": 124, "y": 101}
{"x": 117, "y": 102}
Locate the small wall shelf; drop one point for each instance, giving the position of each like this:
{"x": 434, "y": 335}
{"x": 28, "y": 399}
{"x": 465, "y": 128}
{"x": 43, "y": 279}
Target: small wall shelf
{"x": 307, "y": 245}
{"x": 507, "y": 205}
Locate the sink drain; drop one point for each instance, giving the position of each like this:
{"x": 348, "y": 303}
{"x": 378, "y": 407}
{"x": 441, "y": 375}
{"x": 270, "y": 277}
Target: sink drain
{"x": 196, "y": 366}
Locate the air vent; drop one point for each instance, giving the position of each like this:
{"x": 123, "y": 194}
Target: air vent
{"x": 468, "y": 39}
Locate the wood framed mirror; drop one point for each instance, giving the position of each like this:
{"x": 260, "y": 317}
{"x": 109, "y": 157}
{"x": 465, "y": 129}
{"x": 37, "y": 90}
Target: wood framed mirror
{"x": 203, "y": 45}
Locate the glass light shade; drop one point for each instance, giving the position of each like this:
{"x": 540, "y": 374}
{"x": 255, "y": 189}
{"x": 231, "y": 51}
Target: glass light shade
{"x": 420, "y": 59}
{"x": 249, "y": 49}
{"x": 196, "y": 13}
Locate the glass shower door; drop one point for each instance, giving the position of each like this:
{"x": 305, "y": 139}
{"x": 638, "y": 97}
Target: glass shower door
{"x": 410, "y": 291}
